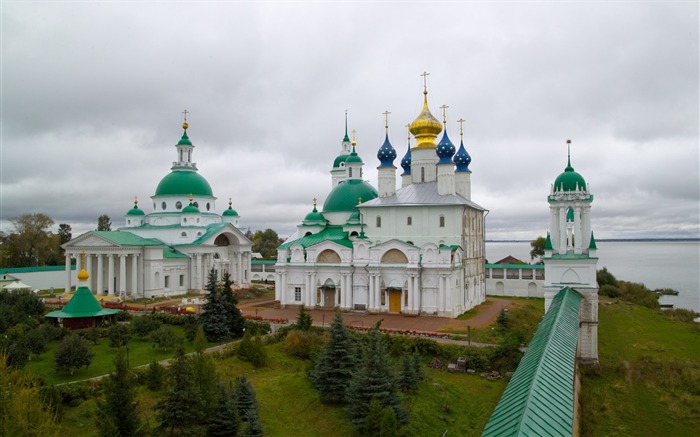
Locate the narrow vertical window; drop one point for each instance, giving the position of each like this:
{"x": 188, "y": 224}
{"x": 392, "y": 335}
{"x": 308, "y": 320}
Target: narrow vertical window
{"x": 409, "y": 221}
{"x": 297, "y": 294}
{"x": 379, "y": 221}
{"x": 442, "y": 221}
{"x": 422, "y": 174}
{"x": 349, "y": 171}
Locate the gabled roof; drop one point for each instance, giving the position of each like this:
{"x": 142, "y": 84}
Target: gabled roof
{"x": 123, "y": 238}
{"x": 82, "y": 304}
{"x": 331, "y": 233}
{"x": 171, "y": 253}
{"x": 539, "y": 400}
{"x": 418, "y": 195}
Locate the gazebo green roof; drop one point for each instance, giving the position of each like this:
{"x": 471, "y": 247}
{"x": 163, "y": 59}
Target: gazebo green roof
{"x": 82, "y": 304}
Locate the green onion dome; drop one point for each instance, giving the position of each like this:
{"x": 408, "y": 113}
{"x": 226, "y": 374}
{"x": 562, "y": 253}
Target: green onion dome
{"x": 569, "y": 180}
{"x": 135, "y": 210}
{"x": 354, "y": 158}
{"x": 345, "y": 196}
{"x": 339, "y": 160}
{"x": 315, "y": 217}
{"x": 182, "y": 183}
{"x": 190, "y": 209}
{"x": 230, "y": 212}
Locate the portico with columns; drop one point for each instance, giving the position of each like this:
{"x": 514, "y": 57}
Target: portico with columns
{"x": 171, "y": 250}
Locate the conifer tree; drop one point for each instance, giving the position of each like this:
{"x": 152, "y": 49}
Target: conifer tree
{"x": 304, "y": 320}
{"x": 214, "y": 316}
{"x": 182, "y": 406}
{"x": 236, "y": 322}
{"x": 410, "y": 374}
{"x": 373, "y": 380}
{"x": 245, "y": 397}
{"x": 223, "y": 420}
{"x": 389, "y": 425}
{"x": 335, "y": 365}
{"x": 204, "y": 371}
{"x": 155, "y": 376}
{"x": 254, "y": 427}
{"x": 117, "y": 411}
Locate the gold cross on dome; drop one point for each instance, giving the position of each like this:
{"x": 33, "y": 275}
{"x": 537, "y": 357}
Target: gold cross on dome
{"x": 354, "y": 132}
{"x": 314, "y": 201}
{"x": 425, "y": 81}
{"x": 386, "y": 120}
{"x": 461, "y": 126}
{"x": 444, "y": 113}
{"x": 185, "y": 112}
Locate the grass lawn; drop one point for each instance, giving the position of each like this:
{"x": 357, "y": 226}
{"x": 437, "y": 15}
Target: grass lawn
{"x": 649, "y": 377}
{"x": 140, "y": 352}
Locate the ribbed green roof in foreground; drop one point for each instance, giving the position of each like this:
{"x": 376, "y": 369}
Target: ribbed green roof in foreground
{"x": 331, "y": 233}
{"x": 82, "y": 304}
{"x": 539, "y": 400}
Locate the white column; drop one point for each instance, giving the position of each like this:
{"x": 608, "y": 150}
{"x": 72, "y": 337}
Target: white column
{"x": 240, "y": 269}
{"x": 562, "y": 230}
{"x": 88, "y": 258}
{"x": 110, "y": 275}
{"x": 448, "y": 292}
{"x": 578, "y": 231}
{"x": 199, "y": 271}
{"x": 314, "y": 290}
{"x": 378, "y": 291}
{"x": 409, "y": 304}
{"x": 417, "y": 293}
{"x": 134, "y": 275}
{"x": 122, "y": 274}
{"x": 68, "y": 273}
{"x": 100, "y": 287}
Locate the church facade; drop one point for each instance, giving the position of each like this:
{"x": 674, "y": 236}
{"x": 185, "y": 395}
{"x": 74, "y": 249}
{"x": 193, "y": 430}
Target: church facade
{"x": 172, "y": 249}
{"x": 414, "y": 250}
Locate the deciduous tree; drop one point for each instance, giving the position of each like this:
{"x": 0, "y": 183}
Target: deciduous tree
{"x": 537, "y": 245}
{"x": 31, "y": 244}
{"x": 72, "y": 353}
{"x": 266, "y": 243}
{"x": 104, "y": 223}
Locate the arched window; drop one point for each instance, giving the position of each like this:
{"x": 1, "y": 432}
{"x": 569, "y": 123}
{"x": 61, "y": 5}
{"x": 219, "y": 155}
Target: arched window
{"x": 178, "y": 205}
{"x": 307, "y": 234}
{"x": 349, "y": 171}
{"x": 442, "y": 221}
{"x": 184, "y": 234}
{"x": 163, "y": 205}
{"x": 128, "y": 222}
{"x": 379, "y": 221}
{"x": 208, "y": 206}
{"x": 409, "y": 221}
{"x": 221, "y": 240}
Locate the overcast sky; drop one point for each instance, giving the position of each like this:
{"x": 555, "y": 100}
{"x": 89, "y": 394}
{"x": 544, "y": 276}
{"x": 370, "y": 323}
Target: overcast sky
{"x": 93, "y": 94}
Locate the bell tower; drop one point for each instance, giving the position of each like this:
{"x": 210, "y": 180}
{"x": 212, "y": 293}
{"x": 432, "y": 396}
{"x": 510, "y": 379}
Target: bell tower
{"x": 570, "y": 253}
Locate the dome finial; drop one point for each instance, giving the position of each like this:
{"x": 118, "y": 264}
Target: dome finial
{"x": 386, "y": 121}
{"x": 184, "y": 123}
{"x": 461, "y": 128}
{"x": 83, "y": 274}
{"x": 444, "y": 115}
{"x": 191, "y": 198}
{"x": 425, "y": 83}
{"x": 408, "y": 132}
{"x": 230, "y": 202}
{"x": 136, "y": 202}
{"x": 568, "y": 153}
{"x": 314, "y": 202}
{"x": 354, "y": 134}
{"x": 346, "y": 127}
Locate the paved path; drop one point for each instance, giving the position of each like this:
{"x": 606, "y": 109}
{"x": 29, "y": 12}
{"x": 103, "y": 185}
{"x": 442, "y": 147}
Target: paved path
{"x": 486, "y": 315}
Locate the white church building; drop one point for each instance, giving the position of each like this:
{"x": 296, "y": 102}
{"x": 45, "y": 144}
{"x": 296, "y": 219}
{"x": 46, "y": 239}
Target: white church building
{"x": 414, "y": 250}
{"x": 172, "y": 249}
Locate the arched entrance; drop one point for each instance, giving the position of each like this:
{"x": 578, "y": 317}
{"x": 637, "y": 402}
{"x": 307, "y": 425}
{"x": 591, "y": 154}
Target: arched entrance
{"x": 327, "y": 294}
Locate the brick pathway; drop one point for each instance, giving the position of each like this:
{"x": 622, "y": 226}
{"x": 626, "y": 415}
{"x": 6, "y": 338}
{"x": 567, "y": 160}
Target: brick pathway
{"x": 485, "y": 316}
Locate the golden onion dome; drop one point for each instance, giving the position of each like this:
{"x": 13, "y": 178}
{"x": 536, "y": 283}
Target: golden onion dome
{"x": 425, "y": 127}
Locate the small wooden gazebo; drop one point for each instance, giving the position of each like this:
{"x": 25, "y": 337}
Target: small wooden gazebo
{"x": 83, "y": 310}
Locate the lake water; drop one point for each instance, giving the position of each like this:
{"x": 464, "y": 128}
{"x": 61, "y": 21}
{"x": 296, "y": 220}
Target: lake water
{"x": 656, "y": 264}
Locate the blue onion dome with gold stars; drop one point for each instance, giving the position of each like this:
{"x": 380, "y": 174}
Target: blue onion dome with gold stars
{"x": 570, "y": 180}
{"x": 315, "y": 217}
{"x": 135, "y": 210}
{"x": 230, "y": 212}
{"x": 462, "y": 158}
{"x": 406, "y": 161}
{"x": 386, "y": 153}
{"x": 445, "y": 149}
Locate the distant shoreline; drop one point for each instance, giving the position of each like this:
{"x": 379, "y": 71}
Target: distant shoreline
{"x": 612, "y": 240}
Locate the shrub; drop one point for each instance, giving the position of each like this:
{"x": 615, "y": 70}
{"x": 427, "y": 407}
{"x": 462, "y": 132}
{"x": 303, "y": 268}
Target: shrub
{"x": 302, "y": 344}
{"x": 680, "y": 314}
{"x": 191, "y": 324}
{"x": 155, "y": 376}
{"x": 610, "y": 290}
{"x": 252, "y": 350}
{"x": 257, "y": 327}
{"x": 142, "y": 326}
{"x": 118, "y": 335}
{"x": 166, "y": 338}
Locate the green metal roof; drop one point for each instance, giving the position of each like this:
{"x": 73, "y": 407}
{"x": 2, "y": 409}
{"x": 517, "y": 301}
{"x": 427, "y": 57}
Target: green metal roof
{"x": 170, "y": 253}
{"x": 539, "y": 399}
{"x": 592, "y": 245}
{"x": 190, "y": 209}
{"x": 516, "y": 266}
{"x": 263, "y": 262}
{"x": 185, "y": 140}
{"x": 569, "y": 180}
{"x": 331, "y": 233}
{"x": 82, "y": 304}
{"x": 340, "y": 159}
{"x": 184, "y": 183}
{"x": 35, "y": 269}
{"x": 135, "y": 211}
{"x": 548, "y": 243}
{"x": 211, "y": 230}
{"x": 124, "y": 238}
{"x": 345, "y": 196}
